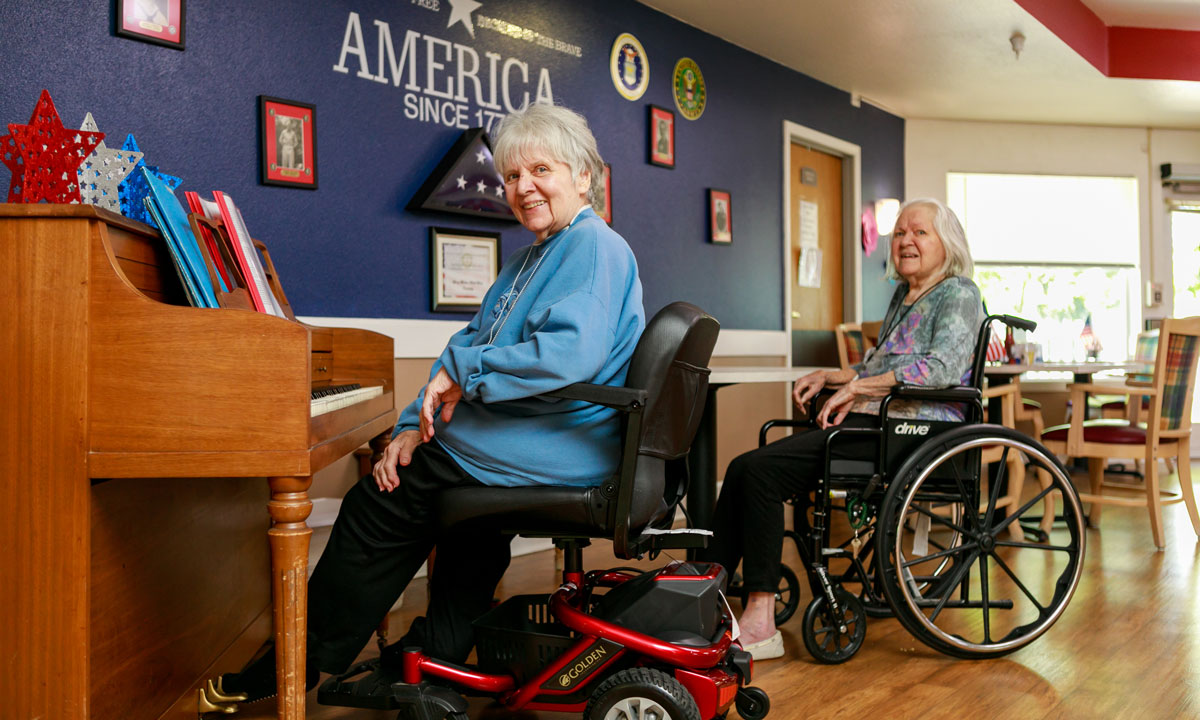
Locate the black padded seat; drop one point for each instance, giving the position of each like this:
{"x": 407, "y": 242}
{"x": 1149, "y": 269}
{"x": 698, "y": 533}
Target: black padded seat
{"x": 661, "y": 404}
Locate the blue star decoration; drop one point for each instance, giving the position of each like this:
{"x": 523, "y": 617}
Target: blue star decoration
{"x": 135, "y": 188}
{"x": 102, "y": 172}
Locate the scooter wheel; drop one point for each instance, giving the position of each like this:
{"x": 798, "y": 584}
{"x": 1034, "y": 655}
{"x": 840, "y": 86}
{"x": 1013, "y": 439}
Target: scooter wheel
{"x": 752, "y": 703}
{"x": 641, "y": 693}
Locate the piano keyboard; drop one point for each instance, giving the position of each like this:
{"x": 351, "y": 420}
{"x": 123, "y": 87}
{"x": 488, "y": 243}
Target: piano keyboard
{"x": 334, "y": 397}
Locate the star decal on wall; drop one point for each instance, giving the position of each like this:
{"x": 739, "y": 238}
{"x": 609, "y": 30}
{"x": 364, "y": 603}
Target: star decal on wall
{"x": 102, "y": 172}
{"x": 135, "y": 189}
{"x": 44, "y": 156}
{"x": 460, "y": 11}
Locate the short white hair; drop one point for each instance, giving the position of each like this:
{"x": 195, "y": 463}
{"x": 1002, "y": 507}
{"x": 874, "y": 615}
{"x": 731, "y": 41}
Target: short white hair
{"x": 950, "y": 231}
{"x": 560, "y": 133}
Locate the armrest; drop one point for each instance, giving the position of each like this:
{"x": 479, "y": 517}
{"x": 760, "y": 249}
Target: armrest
{"x": 952, "y": 393}
{"x": 1111, "y": 389}
{"x": 619, "y": 398}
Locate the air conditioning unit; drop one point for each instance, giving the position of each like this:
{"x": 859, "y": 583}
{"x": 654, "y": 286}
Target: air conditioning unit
{"x": 1181, "y": 177}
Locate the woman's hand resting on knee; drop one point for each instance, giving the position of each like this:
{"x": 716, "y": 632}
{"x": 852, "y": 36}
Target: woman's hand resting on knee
{"x": 807, "y": 387}
{"x": 398, "y": 452}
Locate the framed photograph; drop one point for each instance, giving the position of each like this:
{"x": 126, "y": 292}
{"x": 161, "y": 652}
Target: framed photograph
{"x": 463, "y": 264}
{"x": 662, "y": 137}
{"x": 153, "y": 21}
{"x": 605, "y": 203}
{"x": 287, "y": 141}
{"x": 720, "y": 216}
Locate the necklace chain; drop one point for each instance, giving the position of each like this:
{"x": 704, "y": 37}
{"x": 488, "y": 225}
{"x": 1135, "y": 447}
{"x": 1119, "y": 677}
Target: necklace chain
{"x": 510, "y": 300}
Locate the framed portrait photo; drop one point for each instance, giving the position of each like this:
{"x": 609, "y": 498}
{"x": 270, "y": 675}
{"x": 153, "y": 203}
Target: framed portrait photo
{"x": 463, "y": 264}
{"x": 605, "y": 203}
{"x": 720, "y": 216}
{"x": 287, "y": 141}
{"x": 662, "y": 137}
{"x": 153, "y": 21}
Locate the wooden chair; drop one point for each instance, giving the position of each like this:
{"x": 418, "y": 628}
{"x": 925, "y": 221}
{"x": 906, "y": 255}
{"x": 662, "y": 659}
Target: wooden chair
{"x": 1166, "y": 431}
{"x": 853, "y": 341}
{"x": 870, "y": 331}
{"x": 1015, "y": 465}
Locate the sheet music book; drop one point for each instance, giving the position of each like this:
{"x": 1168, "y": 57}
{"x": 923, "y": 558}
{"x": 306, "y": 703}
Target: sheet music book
{"x": 196, "y": 205}
{"x": 172, "y": 220}
{"x": 185, "y": 277}
{"x": 243, "y": 246}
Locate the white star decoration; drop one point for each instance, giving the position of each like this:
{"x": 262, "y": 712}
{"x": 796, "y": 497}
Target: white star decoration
{"x": 499, "y": 191}
{"x": 102, "y": 173}
{"x": 481, "y": 187}
{"x": 462, "y": 182}
{"x": 460, "y": 11}
{"x": 481, "y": 158}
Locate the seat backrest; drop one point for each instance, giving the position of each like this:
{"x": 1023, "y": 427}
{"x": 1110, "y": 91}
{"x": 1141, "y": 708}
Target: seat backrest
{"x": 851, "y": 345}
{"x": 1175, "y": 374}
{"x": 671, "y": 364}
{"x": 870, "y": 331}
{"x": 1144, "y": 353}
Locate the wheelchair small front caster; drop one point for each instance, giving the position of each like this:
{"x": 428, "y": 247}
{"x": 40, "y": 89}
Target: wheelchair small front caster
{"x": 834, "y": 638}
{"x": 752, "y": 703}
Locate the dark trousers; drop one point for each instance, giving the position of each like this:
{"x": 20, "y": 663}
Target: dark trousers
{"x": 378, "y": 543}
{"x": 748, "y": 521}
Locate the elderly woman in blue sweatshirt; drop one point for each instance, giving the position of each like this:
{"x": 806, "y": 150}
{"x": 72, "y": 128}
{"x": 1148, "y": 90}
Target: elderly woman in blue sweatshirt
{"x": 927, "y": 338}
{"x": 565, "y": 309}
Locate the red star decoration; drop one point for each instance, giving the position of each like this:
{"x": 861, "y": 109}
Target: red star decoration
{"x": 44, "y": 156}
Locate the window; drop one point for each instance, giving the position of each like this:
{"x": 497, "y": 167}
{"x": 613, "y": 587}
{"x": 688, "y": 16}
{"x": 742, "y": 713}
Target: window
{"x": 1056, "y": 249}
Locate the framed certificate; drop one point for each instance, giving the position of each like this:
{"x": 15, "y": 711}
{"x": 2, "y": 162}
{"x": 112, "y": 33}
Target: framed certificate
{"x": 463, "y": 264}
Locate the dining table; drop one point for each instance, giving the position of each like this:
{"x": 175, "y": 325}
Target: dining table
{"x": 702, "y": 458}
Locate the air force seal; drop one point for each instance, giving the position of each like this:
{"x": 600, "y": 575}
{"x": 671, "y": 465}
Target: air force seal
{"x": 629, "y": 67}
{"x": 690, "y": 93}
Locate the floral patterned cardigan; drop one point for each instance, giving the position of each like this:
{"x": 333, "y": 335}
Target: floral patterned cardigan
{"x": 930, "y": 342}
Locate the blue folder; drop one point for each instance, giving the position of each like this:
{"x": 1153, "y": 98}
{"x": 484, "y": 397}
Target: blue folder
{"x": 172, "y": 220}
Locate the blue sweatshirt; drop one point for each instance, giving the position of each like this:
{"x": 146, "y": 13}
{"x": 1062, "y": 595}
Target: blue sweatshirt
{"x": 573, "y": 315}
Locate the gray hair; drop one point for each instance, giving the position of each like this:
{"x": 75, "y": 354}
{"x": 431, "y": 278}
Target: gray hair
{"x": 954, "y": 240}
{"x": 560, "y": 133}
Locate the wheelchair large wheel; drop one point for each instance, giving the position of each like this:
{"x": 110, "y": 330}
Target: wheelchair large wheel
{"x": 787, "y": 595}
{"x": 833, "y": 637}
{"x": 641, "y": 693}
{"x": 958, "y": 581}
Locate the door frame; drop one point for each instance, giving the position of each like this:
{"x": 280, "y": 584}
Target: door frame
{"x": 851, "y": 156}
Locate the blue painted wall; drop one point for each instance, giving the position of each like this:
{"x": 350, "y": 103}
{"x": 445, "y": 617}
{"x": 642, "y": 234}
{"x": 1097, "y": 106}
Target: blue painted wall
{"x": 350, "y": 248}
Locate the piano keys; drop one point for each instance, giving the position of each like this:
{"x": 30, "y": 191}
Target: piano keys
{"x": 135, "y": 437}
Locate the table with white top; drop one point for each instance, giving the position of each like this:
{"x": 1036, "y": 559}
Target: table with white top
{"x": 702, "y": 492}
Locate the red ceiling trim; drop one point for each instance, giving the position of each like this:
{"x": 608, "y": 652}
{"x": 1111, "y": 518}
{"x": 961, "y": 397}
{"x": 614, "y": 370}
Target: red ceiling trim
{"x": 1128, "y": 52}
{"x": 1076, "y": 25}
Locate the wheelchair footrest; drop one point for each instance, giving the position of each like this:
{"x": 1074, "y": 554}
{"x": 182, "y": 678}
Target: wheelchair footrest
{"x": 376, "y": 686}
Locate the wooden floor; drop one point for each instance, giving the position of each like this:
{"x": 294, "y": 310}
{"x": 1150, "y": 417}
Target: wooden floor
{"x": 1128, "y": 646}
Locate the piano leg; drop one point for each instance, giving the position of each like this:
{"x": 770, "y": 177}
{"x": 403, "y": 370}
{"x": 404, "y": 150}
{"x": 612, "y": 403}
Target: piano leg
{"x": 289, "y": 535}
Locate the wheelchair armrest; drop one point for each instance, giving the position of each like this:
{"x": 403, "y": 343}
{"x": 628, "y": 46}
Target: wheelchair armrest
{"x": 952, "y": 393}
{"x": 779, "y": 422}
{"x": 616, "y": 397}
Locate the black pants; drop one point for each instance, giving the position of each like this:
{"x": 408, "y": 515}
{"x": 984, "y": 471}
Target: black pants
{"x": 748, "y": 521}
{"x": 378, "y": 543}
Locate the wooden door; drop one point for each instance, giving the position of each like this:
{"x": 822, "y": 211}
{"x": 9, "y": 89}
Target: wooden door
{"x": 816, "y": 180}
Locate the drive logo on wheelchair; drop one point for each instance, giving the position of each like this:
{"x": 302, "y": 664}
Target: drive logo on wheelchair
{"x": 906, "y": 428}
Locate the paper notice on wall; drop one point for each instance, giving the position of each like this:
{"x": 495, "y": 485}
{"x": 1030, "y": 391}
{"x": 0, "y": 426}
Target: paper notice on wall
{"x": 808, "y": 272}
{"x": 808, "y": 224}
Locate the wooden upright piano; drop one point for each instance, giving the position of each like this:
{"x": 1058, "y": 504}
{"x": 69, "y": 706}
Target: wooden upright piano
{"x": 135, "y": 437}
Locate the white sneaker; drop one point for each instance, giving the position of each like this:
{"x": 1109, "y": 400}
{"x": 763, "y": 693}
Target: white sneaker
{"x": 768, "y": 649}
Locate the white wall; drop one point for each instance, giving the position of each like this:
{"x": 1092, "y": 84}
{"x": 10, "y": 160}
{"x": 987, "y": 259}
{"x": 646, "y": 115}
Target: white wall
{"x": 935, "y": 147}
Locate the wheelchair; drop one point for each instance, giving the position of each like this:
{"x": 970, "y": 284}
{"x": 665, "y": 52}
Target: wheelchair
{"x": 930, "y": 541}
{"x": 610, "y": 643}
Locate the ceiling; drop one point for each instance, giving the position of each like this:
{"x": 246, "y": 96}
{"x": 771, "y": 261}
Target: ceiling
{"x": 952, "y": 59}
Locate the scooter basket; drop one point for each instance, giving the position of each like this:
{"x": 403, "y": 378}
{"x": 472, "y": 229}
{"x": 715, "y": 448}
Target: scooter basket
{"x": 519, "y": 637}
